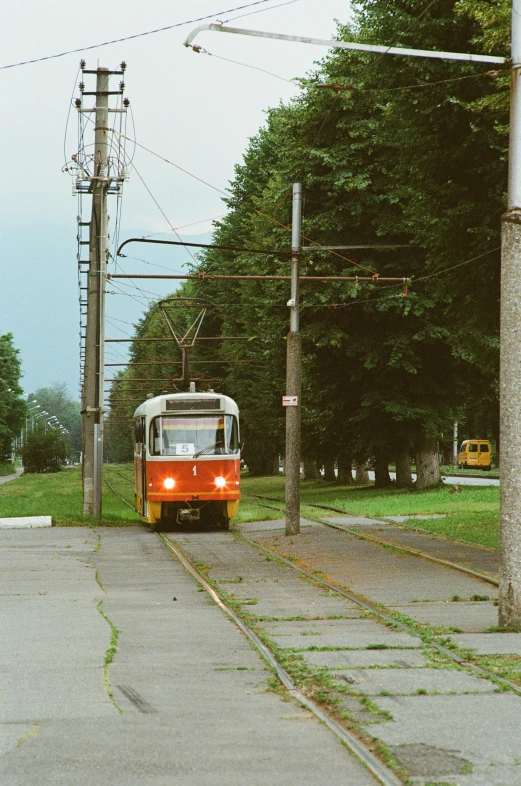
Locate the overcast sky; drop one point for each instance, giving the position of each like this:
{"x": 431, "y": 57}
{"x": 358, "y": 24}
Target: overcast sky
{"x": 196, "y": 110}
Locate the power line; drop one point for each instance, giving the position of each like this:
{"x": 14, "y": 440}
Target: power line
{"x": 256, "y": 210}
{"x": 131, "y": 37}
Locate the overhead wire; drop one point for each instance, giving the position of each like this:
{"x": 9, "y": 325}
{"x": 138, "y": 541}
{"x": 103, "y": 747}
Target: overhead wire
{"x": 413, "y": 280}
{"x": 132, "y": 37}
{"x": 261, "y": 11}
{"x": 245, "y": 65}
{"x": 162, "y": 211}
{"x": 256, "y": 210}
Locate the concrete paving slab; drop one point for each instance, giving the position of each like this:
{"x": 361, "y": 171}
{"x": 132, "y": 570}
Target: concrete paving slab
{"x": 484, "y": 730}
{"x": 467, "y": 616}
{"x": 477, "y": 558}
{"x": 277, "y": 525}
{"x": 489, "y": 643}
{"x": 195, "y": 708}
{"x": 355, "y": 521}
{"x": 354, "y": 640}
{"x": 376, "y": 682}
{"x": 371, "y": 571}
{"x": 340, "y": 659}
{"x": 26, "y": 522}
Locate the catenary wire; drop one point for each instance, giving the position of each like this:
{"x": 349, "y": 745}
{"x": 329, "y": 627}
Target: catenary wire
{"x": 256, "y": 210}
{"x": 132, "y": 37}
{"x": 261, "y": 11}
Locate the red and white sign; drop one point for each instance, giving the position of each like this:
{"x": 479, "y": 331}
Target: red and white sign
{"x": 290, "y": 401}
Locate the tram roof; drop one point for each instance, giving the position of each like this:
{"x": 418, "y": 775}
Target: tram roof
{"x": 172, "y": 403}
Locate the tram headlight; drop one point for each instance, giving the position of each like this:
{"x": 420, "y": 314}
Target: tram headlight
{"x": 220, "y": 482}
{"x": 169, "y": 483}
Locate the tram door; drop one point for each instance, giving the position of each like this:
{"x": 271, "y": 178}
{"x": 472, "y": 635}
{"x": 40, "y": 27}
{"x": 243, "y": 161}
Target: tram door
{"x": 142, "y": 431}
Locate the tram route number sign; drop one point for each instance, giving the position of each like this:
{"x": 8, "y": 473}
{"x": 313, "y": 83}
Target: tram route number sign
{"x": 290, "y": 401}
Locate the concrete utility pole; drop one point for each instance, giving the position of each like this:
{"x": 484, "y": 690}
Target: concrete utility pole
{"x": 294, "y": 377}
{"x": 95, "y": 330}
{"x": 510, "y": 361}
{"x": 98, "y": 173}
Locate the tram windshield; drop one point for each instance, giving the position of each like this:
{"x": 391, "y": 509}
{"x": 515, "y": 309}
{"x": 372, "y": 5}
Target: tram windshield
{"x": 189, "y": 435}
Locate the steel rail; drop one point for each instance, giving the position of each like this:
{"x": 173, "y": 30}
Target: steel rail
{"x": 383, "y": 774}
{"x": 377, "y": 612}
{"x": 382, "y": 542}
{"x": 368, "y": 607}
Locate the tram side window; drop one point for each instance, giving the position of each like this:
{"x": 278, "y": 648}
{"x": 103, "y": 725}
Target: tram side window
{"x": 232, "y": 434}
{"x": 138, "y": 433}
{"x": 155, "y": 438}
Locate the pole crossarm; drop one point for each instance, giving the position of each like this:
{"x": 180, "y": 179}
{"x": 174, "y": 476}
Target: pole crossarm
{"x": 169, "y": 340}
{"x": 238, "y": 249}
{"x": 211, "y": 277}
{"x": 334, "y": 44}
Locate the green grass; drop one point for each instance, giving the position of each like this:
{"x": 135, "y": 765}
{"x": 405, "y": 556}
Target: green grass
{"x": 472, "y": 514}
{"x": 6, "y": 468}
{"x": 60, "y": 495}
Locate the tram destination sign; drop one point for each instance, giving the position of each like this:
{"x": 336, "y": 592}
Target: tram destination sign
{"x": 192, "y": 405}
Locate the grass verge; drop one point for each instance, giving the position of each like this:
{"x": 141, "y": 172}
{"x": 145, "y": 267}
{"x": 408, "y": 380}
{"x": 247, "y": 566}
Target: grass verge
{"x": 59, "y": 495}
{"x": 471, "y": 515}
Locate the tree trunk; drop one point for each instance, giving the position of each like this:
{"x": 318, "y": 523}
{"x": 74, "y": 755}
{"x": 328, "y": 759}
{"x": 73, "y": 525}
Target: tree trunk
{"x": 344, "y": 470}
{"x": 427, "y": 464}
{"x": 329, "y": 472}
{"x": 382, "y": 479}
{"x": 310, "y": 469}
{"x": 403, "y": 470}
{"x": 361, "y": 475}
{"x": 276, "y": 464}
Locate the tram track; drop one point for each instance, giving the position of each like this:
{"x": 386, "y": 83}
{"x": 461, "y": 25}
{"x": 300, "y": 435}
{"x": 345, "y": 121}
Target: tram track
{"x": 387, "y": 543}
{"x": 380, "y": 771}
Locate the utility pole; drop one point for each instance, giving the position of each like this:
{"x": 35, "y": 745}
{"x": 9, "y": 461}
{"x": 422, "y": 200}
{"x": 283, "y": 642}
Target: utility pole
{"x": 98, "y": 173}
{"x": 455, "y": 444}
{"x": 292, "y": 400}
{"x": 94, "y": 334}
{"x": 510, "y": 358}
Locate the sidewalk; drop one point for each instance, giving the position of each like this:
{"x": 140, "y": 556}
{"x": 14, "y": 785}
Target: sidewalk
{"x": 184, "y": 701}
{"x": 7, "y": 478}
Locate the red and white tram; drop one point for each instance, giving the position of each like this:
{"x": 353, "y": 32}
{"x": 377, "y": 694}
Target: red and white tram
{"x": 187, "y": 459}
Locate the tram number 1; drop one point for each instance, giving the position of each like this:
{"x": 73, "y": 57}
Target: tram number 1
{"x": 194, "y": 469}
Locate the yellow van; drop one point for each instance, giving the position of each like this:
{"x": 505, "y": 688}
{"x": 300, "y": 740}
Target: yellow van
{"x": 475, "y": 453}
